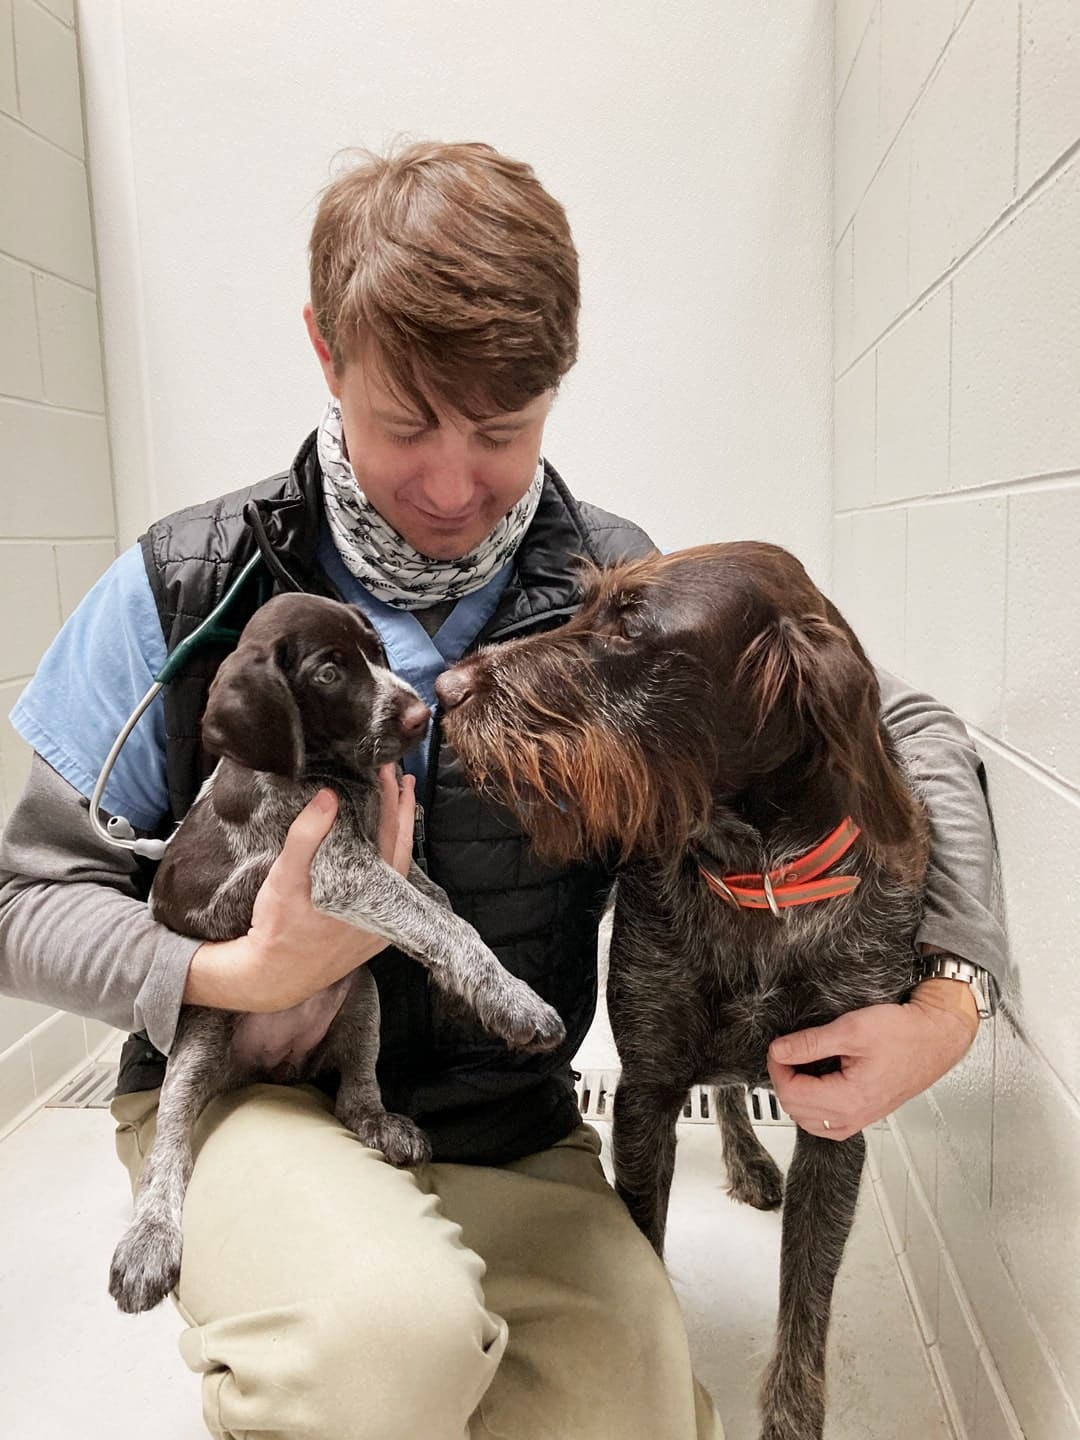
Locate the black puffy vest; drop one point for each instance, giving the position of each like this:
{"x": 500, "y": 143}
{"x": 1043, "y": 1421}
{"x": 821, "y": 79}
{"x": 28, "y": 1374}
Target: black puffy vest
{"x": 477, "y": 1101}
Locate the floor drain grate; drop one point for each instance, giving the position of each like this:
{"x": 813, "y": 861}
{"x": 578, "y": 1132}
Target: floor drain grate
{"x": 92, "y": 1089}
{"x": 595, "y": 1091}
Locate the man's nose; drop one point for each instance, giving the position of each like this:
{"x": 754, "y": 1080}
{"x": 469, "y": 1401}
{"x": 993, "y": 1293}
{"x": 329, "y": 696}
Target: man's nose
{"x": 448, "y": 486}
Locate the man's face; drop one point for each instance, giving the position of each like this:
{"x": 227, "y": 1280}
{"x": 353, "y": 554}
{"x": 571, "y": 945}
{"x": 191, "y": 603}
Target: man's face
{"x": 443, "y": 487}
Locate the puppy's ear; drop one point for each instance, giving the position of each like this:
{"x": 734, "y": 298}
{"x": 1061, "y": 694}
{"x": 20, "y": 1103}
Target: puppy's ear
{"x": 810, "y": 681}
{"x": 251, "y": 715}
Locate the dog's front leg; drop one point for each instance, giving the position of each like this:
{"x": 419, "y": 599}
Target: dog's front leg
{"x": 352, "y": 882}
{"x": 146, "y": 1263}
{"x": 351, "y": 1047}
{"x": 643, "y": 1139}
{"x": 819, "y": 1205}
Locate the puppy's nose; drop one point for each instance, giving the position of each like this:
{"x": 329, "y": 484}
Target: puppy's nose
{"x": 413, "y": 719}
{"x": 452, "y": 687}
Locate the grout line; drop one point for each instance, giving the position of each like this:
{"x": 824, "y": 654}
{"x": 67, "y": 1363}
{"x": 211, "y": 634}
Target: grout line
{"x": 934, "y": 70}
{"x": 889, "y": 1225}
{"x": 39, "y": 269}
{"x": 15, "y": 68}
{"x": 52, "y": 16}
{"x": 949, "y": 386}
{"x": 1067, "y": 790}
{"x": 855, "y": 56}
{"x": 51, "y": 408}
{"x": 57, "y": 540}
{"x": 1019, "y": 91}
{"x": 1026, "y": 484}
{"x": 79, "y": 160}
{"x": 1012, "y": 212}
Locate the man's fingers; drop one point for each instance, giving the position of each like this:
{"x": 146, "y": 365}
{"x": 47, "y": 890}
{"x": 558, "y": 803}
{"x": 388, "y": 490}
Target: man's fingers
{"x": 806, "y": 1046}
{"x": 388, "y": 812}
{"x": 406, "y": 821}
{"x": 292, "y": 868}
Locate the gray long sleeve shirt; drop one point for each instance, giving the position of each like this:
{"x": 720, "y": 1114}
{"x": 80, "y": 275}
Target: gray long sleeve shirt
{"x": 74, "y": 932}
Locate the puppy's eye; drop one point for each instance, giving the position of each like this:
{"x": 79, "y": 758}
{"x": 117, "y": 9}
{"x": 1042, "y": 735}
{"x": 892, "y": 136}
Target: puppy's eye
{"x": 327, "y": 675}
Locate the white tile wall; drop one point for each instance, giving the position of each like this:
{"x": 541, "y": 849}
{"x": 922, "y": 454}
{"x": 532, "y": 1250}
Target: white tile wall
{"x": 956, "y": 633}
{"x": 913, "y": 403}
{"x": 56, "y": 524}
{"x": 20, "y": 363}
{"x": 857, "y": 150}
{"x": 1037, "y": 1195}
{"x": 1042, "y": 656}
{"x": 28, "y": 592}
{"x": 1038, "y": 824}
{"x": 957, "y": 482}
{"x": 881, "y": 247}
{"x": 9, "y": 95}
{"x": 62, "y": 457}
{"x": 852, "y": 18}
{"x": 1016, "y": 346}
{"x": 1049, "y": 85}
{"x": 50, "y": 226}
{"x": 914, "y": 34}
{"x": 70, "y": 343}
{"x": 853, "y": 449}
{"x": 48, "y": 75}
{"x": 963, "y": 136}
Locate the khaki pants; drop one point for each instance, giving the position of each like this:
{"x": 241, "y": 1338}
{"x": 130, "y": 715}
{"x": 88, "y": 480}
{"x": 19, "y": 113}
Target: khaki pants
{"x": 333, "y": 1297}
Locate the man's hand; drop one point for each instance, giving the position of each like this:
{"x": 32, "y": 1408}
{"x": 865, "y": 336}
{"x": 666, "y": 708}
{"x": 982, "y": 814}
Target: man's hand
{"x": 887, "y": 1053}
{"x": 292, "y": 950}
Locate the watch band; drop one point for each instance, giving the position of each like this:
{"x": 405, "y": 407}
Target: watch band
{"x": 951, "y": 967}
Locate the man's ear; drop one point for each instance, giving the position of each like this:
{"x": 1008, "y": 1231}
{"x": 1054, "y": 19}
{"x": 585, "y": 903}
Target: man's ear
{"x": 251, "y": 715}
{"x": 322, "y": 351}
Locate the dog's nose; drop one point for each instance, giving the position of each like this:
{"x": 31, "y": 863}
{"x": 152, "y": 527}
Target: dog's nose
{"x": 413, "y": 720}
{"x": 452, "y": 687}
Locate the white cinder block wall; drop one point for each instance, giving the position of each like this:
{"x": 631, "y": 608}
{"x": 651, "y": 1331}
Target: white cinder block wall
{"x": 956, "y": 533}
{"x": 57, "y": 530}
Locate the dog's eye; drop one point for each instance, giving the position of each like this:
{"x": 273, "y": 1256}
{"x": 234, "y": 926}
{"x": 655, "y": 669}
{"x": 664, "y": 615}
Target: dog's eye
{"x": 327, "y": 675}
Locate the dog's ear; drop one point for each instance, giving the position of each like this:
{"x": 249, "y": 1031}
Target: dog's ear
{"x": 251, "y": 715}
{"x": 810, "y": 681}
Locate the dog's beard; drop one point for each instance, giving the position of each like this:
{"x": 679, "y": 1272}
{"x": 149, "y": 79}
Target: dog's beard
{"x": 586, "y": 773}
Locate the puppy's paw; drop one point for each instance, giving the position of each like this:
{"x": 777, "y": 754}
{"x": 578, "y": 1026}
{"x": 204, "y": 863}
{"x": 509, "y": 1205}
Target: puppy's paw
{"x": 524, "y": 1021}
{"x": 759, "y": 1183}
{"x": 400, "y": 1139}
{"x": 146, "y": 1264}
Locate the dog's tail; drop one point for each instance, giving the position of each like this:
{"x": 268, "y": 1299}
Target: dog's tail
{"x": 810, "y": 680}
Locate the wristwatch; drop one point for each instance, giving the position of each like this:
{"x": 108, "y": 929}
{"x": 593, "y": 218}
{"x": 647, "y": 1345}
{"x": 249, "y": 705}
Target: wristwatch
{"x": 942, "y": 966}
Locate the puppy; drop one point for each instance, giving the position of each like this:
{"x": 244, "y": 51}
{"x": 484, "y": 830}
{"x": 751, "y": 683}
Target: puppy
{"x": 710, "y": 718}
{"x": 304, "y": 702}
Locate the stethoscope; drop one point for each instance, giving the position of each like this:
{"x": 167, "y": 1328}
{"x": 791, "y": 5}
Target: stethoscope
{"x": 117, "y": 830}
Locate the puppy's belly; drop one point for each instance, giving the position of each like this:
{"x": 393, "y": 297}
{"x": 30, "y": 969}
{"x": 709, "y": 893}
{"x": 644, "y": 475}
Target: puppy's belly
{"x": 279, "y": 1043}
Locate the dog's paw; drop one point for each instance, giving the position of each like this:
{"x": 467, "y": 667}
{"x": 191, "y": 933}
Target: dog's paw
{"x": 759, "y": 1183}
{"x": 146, "y": 1264}
{"x": 525, "y": 1021}
{"x": 400, "y": 1139}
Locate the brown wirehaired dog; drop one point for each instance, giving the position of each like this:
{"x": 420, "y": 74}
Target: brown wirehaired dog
{"x": 711, "y": 720}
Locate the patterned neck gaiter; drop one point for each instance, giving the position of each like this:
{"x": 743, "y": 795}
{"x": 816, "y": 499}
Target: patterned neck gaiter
{"x": 382, "y": 560}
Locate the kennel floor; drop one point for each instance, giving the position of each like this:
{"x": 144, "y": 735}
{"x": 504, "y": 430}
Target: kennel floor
{"x": 73, "y": 1365}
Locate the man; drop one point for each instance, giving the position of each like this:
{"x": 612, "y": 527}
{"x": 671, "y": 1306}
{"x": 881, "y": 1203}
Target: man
{"x": 502, "y": 1290}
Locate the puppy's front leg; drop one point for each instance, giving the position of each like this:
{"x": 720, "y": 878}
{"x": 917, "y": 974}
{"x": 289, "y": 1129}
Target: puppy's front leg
{"x": 643, "y": 1139}
{"x": 352, "y": 882}
{"x": 146, "y": 1263}
{"x": 351, "y": 1047}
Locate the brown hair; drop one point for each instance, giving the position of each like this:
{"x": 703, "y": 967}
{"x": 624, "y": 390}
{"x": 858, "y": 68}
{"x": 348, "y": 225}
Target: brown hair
{"x": 454, "y": 269}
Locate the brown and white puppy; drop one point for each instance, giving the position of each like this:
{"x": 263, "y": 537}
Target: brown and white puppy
{"x": 305, "y": 701}
{"x": 711, "y": 711}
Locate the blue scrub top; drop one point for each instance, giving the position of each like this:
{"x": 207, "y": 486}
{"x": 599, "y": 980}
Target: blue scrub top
{"x": 106, "y": 655}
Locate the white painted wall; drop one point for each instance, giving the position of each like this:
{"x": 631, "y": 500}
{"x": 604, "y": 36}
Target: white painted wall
{"x": 57, "y": 530}
{"x": 690, "y": 144}
{"x": 956, "y": 532}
